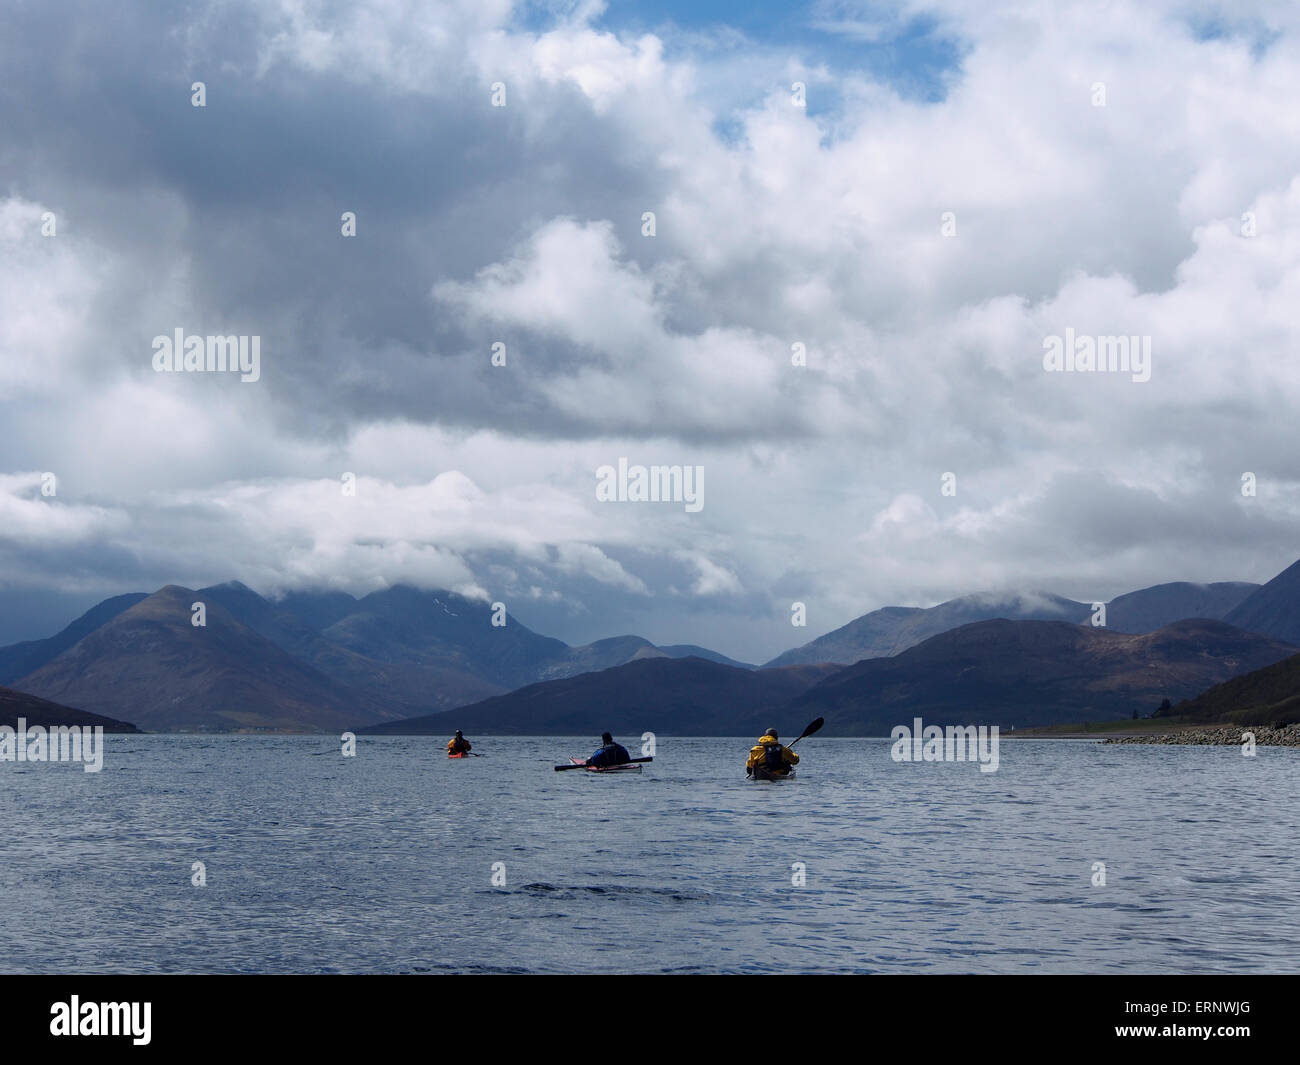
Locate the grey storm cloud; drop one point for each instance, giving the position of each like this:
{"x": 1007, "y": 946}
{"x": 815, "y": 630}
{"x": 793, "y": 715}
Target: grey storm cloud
{"x": 1171, "y": 212}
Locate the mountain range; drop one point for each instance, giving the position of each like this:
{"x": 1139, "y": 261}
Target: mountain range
{"x": 682, "y": 696}
{"x": 894, "y": 629}
{"x": 306, "y": 662}
{"x": 19, "y": 659}
{"x": 152, "y": 666}
{"x": 326, "y": 660}
{"x": 1034, "y": 673}
{"x": 1008, "y": 673}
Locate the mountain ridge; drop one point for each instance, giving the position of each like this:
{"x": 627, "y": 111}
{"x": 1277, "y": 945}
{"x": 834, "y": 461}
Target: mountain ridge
{"x": 1272, "y": 609}
{"x": 318, "y": 659}
{"x": 36, "y": 711}
{"x": 678, "y": 696}
{"x": 1031, "y": 673}
{"x": 152, "y": 664}
{"x": 890, "y": 630}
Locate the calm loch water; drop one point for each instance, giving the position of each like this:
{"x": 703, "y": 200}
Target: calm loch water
{"x": 384, "y": 862}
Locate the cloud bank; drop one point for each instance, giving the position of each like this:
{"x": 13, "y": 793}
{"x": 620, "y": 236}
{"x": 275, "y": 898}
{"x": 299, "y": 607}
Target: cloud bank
{"x": 841, "y": 302}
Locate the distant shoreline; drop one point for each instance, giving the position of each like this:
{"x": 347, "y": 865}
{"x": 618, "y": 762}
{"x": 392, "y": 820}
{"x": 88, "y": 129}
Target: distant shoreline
{"x": 1168, "y": 732}
{"x": 1103, "y": 730}
{"x": 1140, "y": 732}
{"x": 1222, "y": 736}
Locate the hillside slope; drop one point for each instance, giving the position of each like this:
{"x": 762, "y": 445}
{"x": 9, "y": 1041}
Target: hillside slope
{"x": 1026, "y": 673}
{"x": 152, "y": 666}
{"x": 675, "y": 696}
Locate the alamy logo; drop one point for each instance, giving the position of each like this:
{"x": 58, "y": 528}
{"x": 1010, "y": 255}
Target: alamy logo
{"x": 1090, "y": 354}
{"x": 958, "y": 743}
{"x": 215, "y": 354}
{"x": 102, "y": 1018}
{"x": 653, "y": 484}
{"x": 58, "y": 743}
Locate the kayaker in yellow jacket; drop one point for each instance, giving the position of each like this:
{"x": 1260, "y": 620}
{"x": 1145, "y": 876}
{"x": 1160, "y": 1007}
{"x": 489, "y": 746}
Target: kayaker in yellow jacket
{"x": 770, "y": 755}
{"x": 458, "y": 744}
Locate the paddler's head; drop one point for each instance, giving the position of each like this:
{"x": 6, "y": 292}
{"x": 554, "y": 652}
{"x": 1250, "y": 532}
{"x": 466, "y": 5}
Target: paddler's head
{"x": 772, "y": 732}
{"x": 460, "y": 735}
{"x": 605, "y": 737}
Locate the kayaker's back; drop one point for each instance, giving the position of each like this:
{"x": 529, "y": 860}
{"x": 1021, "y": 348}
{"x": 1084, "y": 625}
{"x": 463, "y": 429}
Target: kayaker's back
{"x": 770, "y": 756}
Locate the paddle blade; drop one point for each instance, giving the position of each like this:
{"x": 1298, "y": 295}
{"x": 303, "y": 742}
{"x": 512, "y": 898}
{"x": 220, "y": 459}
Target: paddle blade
{"x": 814, "y": 727}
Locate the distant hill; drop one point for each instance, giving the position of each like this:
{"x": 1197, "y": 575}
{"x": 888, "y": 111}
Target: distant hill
{"x": 552, "y": 659}
{"x": 151, "y": 665}
{"x": 675, "y": 696}
{"x": 1153, "y": 608}
{"x": 441, "y": 629}
{"x": 594, "y": 657}
{"x": 1274, "y": 609}
{"x": 396, "y": 653}
{"x": 1034, "y": 673}
{"x": 690, "y": 650}
{"x": 1268, "y": 696}
{"x": 16, "y": 704}
{"x": 317, "y": 609}
{"x": 893, "y": 629}
{"x": 324, "y": 660}
{"x": 408, "y": 626}
{"x": 20, "y": 659}
{"x": 401, "y": 689}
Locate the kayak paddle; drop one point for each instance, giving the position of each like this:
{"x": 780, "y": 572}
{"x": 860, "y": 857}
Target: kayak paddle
{"x": 583, "y": 765}
{"x": 814, "y": 727}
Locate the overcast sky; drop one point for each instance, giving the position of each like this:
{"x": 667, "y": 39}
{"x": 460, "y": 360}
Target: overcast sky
{"x": 1112, "y": 169}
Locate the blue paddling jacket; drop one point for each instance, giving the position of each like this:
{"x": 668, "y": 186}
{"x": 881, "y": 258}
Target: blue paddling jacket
{"x": 610, "y": 754}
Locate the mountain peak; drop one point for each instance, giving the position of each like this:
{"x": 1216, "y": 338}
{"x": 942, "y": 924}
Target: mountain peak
{"x": 233, "y": 586}
{"x": 1274, "y": 609}
{"x": 151, "y": 665}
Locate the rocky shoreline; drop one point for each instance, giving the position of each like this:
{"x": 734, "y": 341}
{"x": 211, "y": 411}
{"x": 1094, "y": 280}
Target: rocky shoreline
{"x": 1221, "y": 735}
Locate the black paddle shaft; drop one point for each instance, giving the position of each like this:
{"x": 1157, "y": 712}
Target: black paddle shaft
{"x": 583, "y": 765}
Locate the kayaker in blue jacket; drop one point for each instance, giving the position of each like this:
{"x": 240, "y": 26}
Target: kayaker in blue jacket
{"x": 610, "y": 753}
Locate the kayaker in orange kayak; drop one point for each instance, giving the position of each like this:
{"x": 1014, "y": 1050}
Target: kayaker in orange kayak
{"x": 458, "y": 744}
{"x": 768, "y": 756}
{"x": 609, "y": 753}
